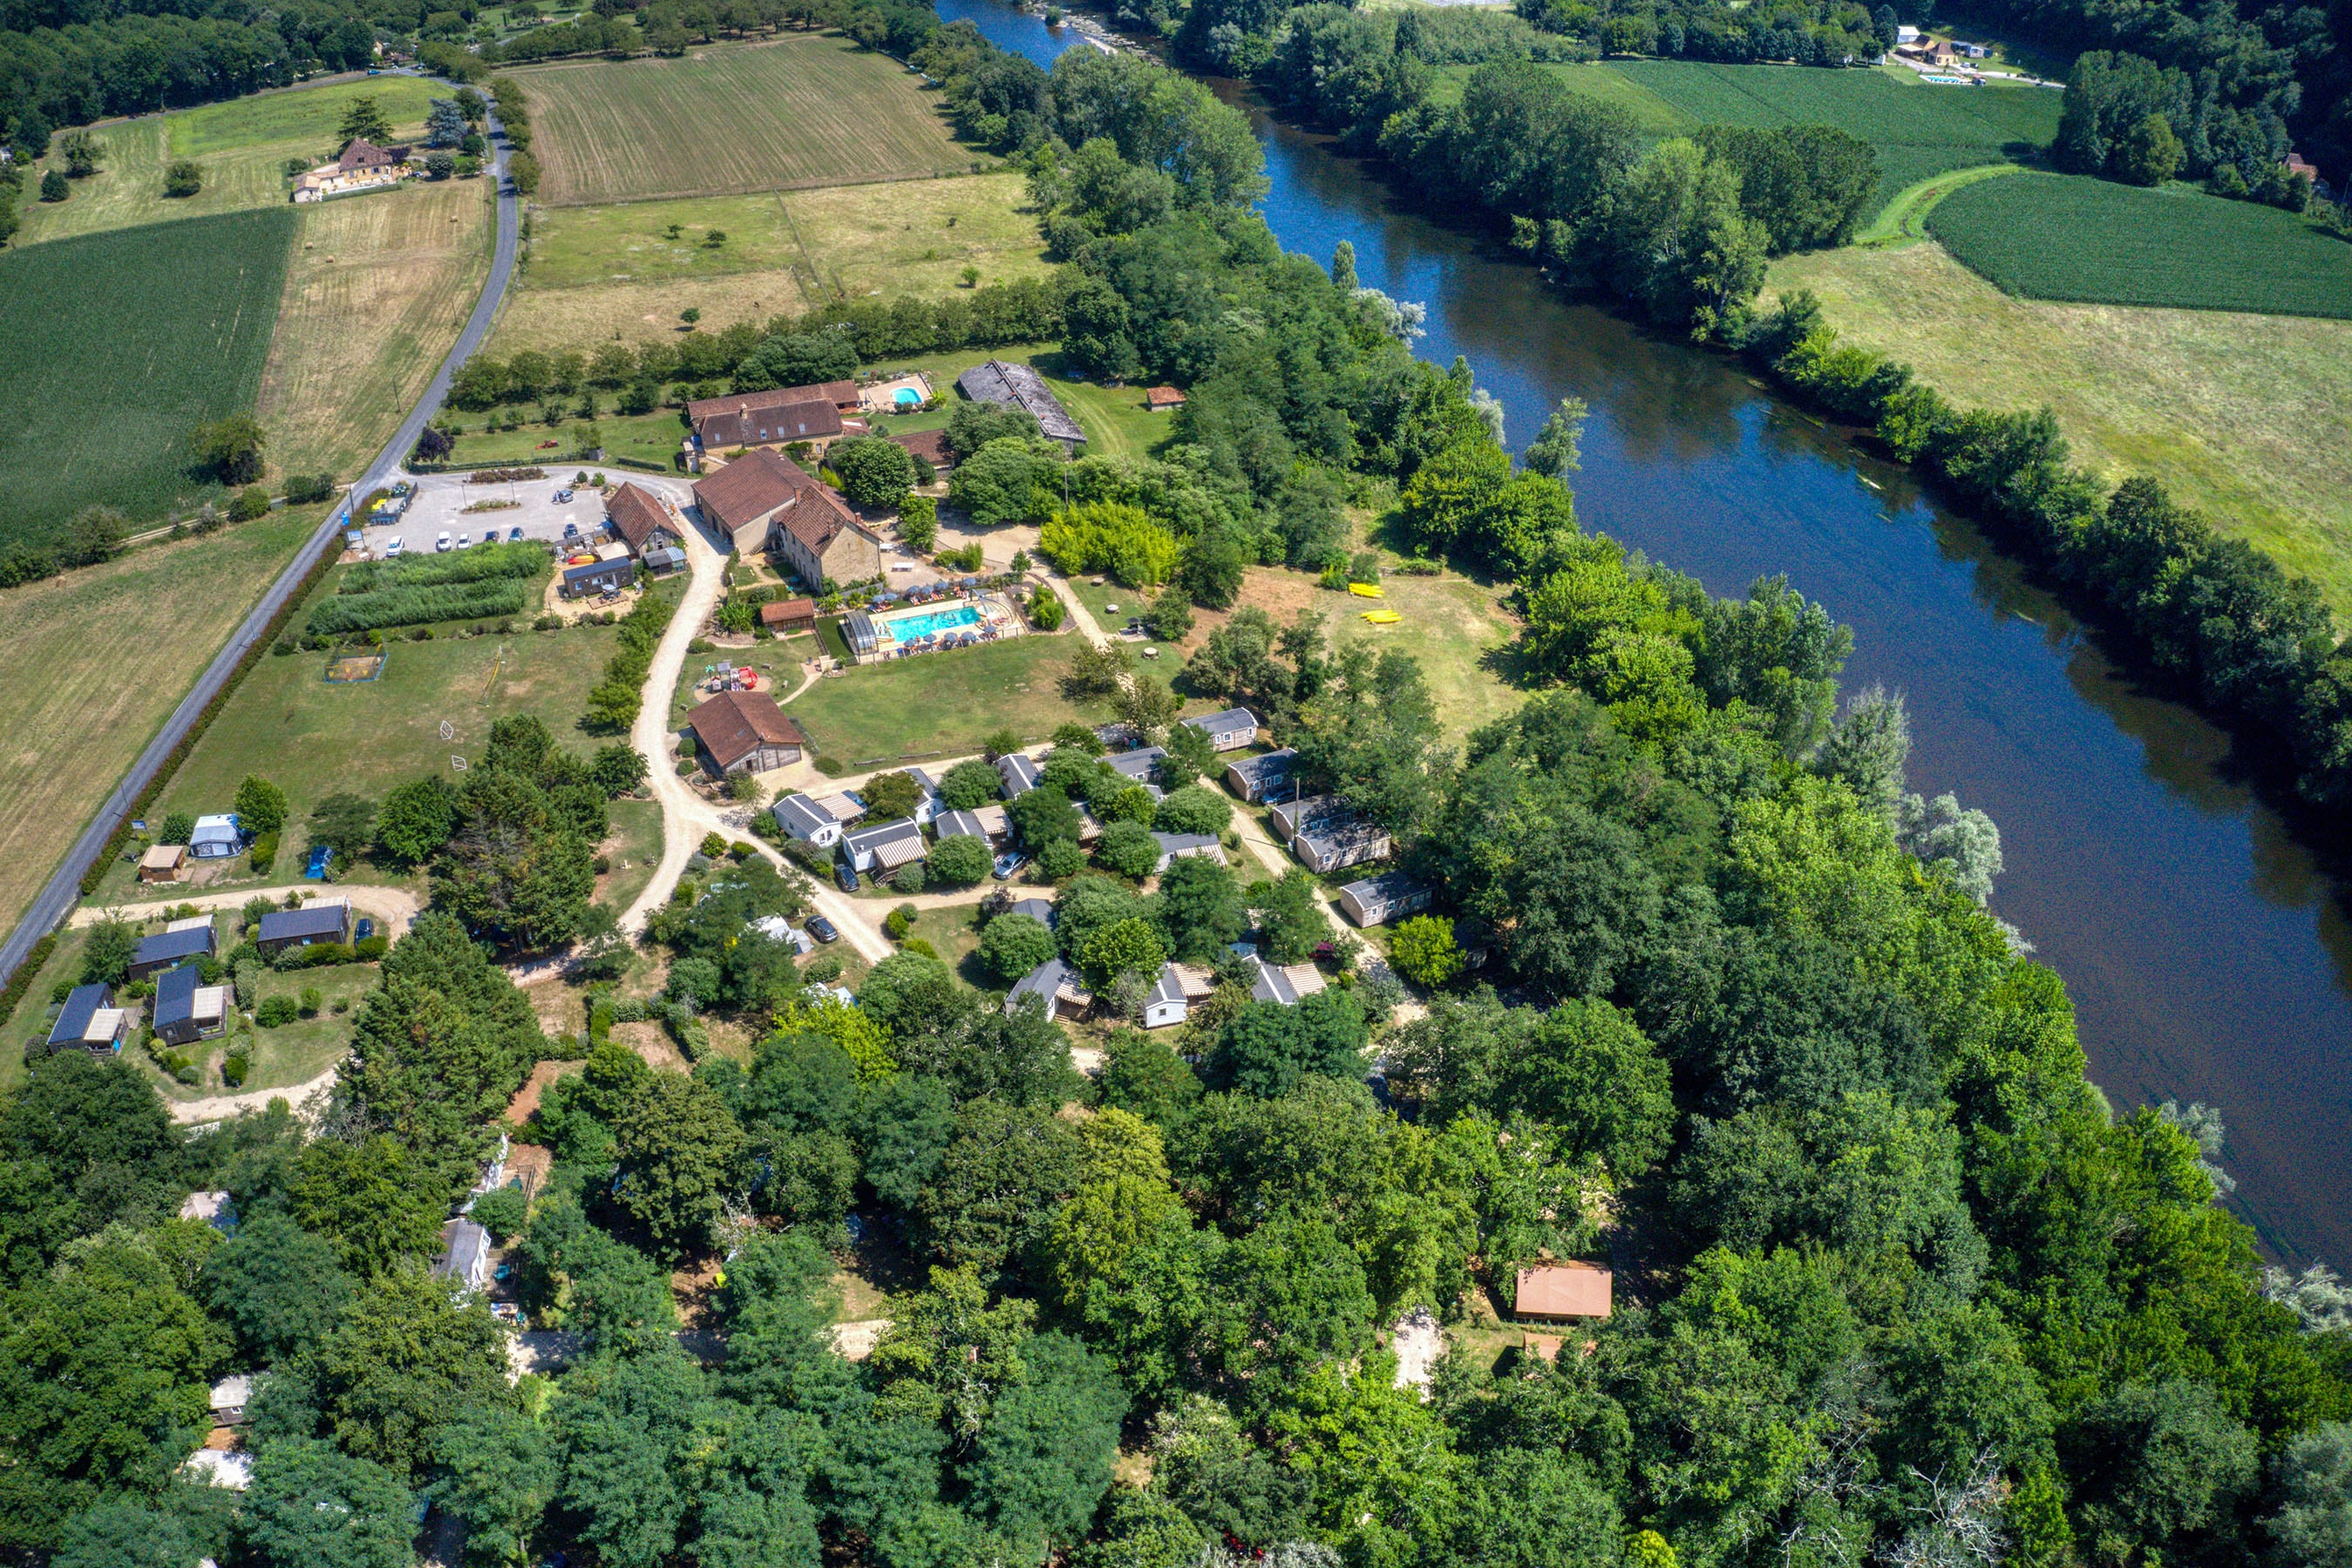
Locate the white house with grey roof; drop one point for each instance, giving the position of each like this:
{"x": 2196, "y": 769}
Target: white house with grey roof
{"x": 1174, "y": 847}
{"x": 1057, "y": 986}
{"x": 1262, "y": 777}
{"x": 885, "y": 847}
{"x": 805, "y": 818}
{"x": 1180, "y": 985}
{"x": 1336, "y": 844}
{"x": 1228, "y": 731}
{"x": 1376, "y": 900}
{"x": 928, "y": 805}
{"x": 989, "y": 824}
{"x": 1139, "y": 765}
{"x": 1020, "y": 774}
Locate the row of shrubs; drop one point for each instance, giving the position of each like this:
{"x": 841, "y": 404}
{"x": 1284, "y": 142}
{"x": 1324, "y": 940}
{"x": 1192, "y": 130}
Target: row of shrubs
{"x": 416, "y": 606}
{"x": 520, "y": 557}
{"x": 613, "y": 702}
{"x": 2214, "y": 612}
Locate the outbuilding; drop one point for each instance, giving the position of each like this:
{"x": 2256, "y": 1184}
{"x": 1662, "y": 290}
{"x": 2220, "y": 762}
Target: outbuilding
{"x": 786, "y": 616}
{"x": 90, "y": 1021}
{"x": 1262, "y": 777}
{"x": 595, "y": 577}
{"x": 216, "y": 837}
{"x": 164, "y": 862}
{"x": 185, "y": 1009}
{"x": 1180, "y": 985}
{"x": 1020, "y": 774}
{"x": 1337, "y": 842}
{"x": 1174, "y": 847}
{"x": 885, "y": 847}
{"x": 744, "y": 732}
{"x": 1057, "y": 986}
{"x": 1566, "y": 1290}
{"x": 805, "y": 818}
{"x": 183, "y": 940}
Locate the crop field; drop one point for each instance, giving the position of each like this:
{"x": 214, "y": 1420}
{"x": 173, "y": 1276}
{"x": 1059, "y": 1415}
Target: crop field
{"x": 376, "y": 290}
{"x": 2247, "y": 418}
{"x": 1918, "y": 131}
{"x": 91, "y": 662}
{"x": 812, "y": 110}
{"x": 243, "y": 146}
{"x": 2059, "y": 237}
{"x": 118, "y": 345}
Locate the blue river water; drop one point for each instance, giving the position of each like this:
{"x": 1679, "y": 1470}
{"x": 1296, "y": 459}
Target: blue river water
{"x": 2209, "y": 955}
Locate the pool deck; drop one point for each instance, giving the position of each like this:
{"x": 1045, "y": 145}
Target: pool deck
{"x": 994, "y": 611}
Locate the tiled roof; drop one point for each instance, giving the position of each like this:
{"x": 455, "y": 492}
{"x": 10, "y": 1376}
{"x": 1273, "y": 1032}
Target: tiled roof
{"x": 636, "y": 515}
{"x": 733, "y": 725}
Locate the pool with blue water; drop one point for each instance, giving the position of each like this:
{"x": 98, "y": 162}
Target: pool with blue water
{"x": 906, "y": 628}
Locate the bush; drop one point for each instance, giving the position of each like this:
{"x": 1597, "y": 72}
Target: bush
{"x": 264, "y": 852}
{"x": 910, "y": 878}
{"x": 283, "y": 645}
{"x": 232, "y": 1070}
{"x": 1421, "y": 950}
{"x": 1014, "y": 944}
{"x": 302, "y": 489}
{"x": 896, "y": 924}
{"x": 1059, "y": 859}
{"x": 960, "y": 861}
{"x": 310, "y": 1001}
{"x": 274, "y": 1011}
{"x": 502, "y": 1211}
{"x": 1045, "y": 611}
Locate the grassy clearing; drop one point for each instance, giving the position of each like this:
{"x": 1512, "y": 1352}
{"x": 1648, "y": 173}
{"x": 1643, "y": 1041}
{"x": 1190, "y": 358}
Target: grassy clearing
{"x": 634, "y": 852}
{"x": 31, "y": 1020}
{"x": 119, "y": 344}
{"x": 1920, "y": 131}
{"x": 2066, "y": 236}
{"x": 2248, "y": 418}
{"x": 607, "y": 272}
{"x": 378, "y": 289}
{"x": 91, "y": 662}
{"x": 243, "y": 145}
{"x": 1654, "y": 113}
{"x": 1905, "y": 218}
{"x": 647, "y": 438}
{"x": 944, "y": 703}
{"x": 813, "y": 109}
{"x": 313, "y": 739}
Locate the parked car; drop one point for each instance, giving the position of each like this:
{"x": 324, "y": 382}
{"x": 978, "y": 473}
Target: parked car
{"x": 393, "y": 546}
{"x": 846, "y": 876}
{"x": 465, "y": 541}
{"x": 514, "y": 535}
{"x": 363, "y": 930}
{"x": 572, "y": 530}
{"x": 443, "y": 542}
{"x": 563, "y": 496}
{"x": 823, "y": 929}
{"x": 402, "y": 488}
{"x": 1008, "y": 862}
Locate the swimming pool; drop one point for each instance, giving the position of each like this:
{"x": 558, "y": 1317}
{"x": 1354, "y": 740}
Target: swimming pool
{"x": 906, "y": 628}
{"x": 906, "y": 397}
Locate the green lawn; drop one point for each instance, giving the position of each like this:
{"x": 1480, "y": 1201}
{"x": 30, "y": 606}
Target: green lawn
{"x": 651, "y": 438}
{"x": 941, "y": 703}
{"x": 954, "y": 933}
{"x": 312, "y": 115}
{"x": 2069, "y": 236}
{"x": 633, "y": 851}
{"x": 300, "y": 1051}
{"x": 313, "y": 739}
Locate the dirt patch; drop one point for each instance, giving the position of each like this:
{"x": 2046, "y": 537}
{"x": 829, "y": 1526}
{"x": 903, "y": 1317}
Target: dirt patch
{"x": 855, "y": 1341}
{"x": 529, "y": 1164}
{"x": 526, "y": 1100}
{"x": 695, "y": 1287}
{"x": 650, "y": 1043}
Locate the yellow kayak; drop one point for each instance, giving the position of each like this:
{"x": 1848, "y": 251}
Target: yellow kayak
{"x": 1383, "y": 617}
{"x": 1365, "y": 590}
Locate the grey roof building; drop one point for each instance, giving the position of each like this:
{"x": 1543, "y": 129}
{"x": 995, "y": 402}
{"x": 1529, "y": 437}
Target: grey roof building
{"x": 1229, "y": 730}
{"x": 1175, "y": 846}
{"x": 185, "y": 1009}
{"x": 805, "y": 817}
{"x": 1376, "y": 900}
{"x": 1338, "y": 842}
{"x": 959, "y": 825}
{"x": 1020, "y": 774}
{"x": 1054, "y": 983}
{"x": 1037, "y": 909}
{"x": 89, "y": 1020}
{"x": 1138, "y": 765}
{"x": 885, "y": 846}
{"x": 282, "y": 928}
{"x": 1256, "y": 779}
{"x": 167, "y": 948}
{"x": 1018, "y": 386}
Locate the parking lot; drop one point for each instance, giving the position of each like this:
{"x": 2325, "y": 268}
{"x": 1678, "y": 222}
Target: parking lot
{"x": 439, "y": 502}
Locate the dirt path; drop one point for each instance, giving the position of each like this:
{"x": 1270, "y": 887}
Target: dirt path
{"x": 391, "y": 907}
{"x": 687, "y": 816}
{"x": 221, "y": 1107}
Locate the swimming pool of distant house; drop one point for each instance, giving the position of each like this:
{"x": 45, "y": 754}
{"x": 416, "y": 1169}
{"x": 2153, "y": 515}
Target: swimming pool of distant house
{"x": 906, "y": 628}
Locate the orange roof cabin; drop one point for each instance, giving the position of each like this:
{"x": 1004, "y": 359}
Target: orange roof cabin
{"x": 1573, "y": 1289}
{"x": 1163, "y": 400}
{"x": 782, "y": 615}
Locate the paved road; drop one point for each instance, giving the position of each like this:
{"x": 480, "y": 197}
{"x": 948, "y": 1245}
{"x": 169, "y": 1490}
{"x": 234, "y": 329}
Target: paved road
{"x": 64, "y": 889}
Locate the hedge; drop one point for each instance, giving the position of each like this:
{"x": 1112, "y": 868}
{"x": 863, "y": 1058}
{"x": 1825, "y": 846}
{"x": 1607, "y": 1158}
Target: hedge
{"x": 417, "y": 606}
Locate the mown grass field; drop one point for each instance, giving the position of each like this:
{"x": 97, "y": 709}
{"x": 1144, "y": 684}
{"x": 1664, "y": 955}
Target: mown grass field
{"x": 243, "y": 145}
{"x": 91, "y": 662}
{"x": 1919, "y": 131}
{"x": 1652, "y": 112}
{"x": 942, "y": 703}
{"x": 597, "y": 270}
{"x": 2248, "y": 418}
{"x": 811, "y": 109}
{"x": 2066, "y": 236}
{"x": 313, "y": 739}
{"x": 647, "y": 438}
{"x": 118, "y": 345}
{"x": 377, "y": 289}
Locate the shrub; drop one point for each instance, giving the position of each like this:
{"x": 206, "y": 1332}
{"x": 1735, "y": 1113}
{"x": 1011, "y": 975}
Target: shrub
{"x": 302, "y": 489}
{"x": 1059, "y": 859}
{"x": 895, "y": 925}
{"x": 311, "y": 1001}
{"x": 264, "y": 852}
{"x": 1014, "y": 944}
{"x": 1193, "y": 809}
{"x": 232, "y": 1070}
{"x": 274, "y": 1011}
{"x": 1045, "y": 611}
{"x": 1421, "y": 950}
{"x": 1129, "y": 849}
{"x": 910, "y": 878}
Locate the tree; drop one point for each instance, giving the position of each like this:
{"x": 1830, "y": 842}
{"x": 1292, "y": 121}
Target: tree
{"x": 1291, "y": 917}
{"x": 2162, "y": 1464}
{"x": 54, "y": 187}
{"x": 445, "y": 123}
{"x": 993, "y": 1194}
{"x": 276, "y": 1286}
{"x": 229, "y": 448}
{"x": 1043, "y": 815}
{"x": 523, "y": 170}
{"x": 404, "y": 1360}
{"x": 1129, "y": 849}
{"x": 969, "y": 786}
{"x": 183, "y": 177}
{"x": 874, "y": 472}
{"x": 79, "y": 149}
{"x": 1445, "y": 498}
{"x": 1004, "y": 482}
{"x": 1169, "y": 619}
{"x": 260, "y": 805}
{"x": 1557, "y": 450}
{"x": 958, "y": 862}
{"x": 106, "y": 954}
{"x": 678, "y": 1149}
{"x": 2314, "y": 1524}
{"x": 311, "y": 1507}
{"x": 1200, "y": 908}
{"x": 2149, "y": 153}
{"x": 1043, "y": 1458}
{"x": 972, "y": 425}
{"x": 130, "y": 1532}
{"x": 1129, "y": 946}
{"x": 345, "y": 822}
{"x": 1868, "y": 749}
{"x": 502, "y": 1475}
{"x": 890, "y": 796}
{"x": 364, "y": 120}
{"x": 440, "y": 165}
{"x": 1012, "y": 945}
{"x": 1965, "y": 842}
{"x": 1422, "y": 950}
{"x": 371, "y": 1199}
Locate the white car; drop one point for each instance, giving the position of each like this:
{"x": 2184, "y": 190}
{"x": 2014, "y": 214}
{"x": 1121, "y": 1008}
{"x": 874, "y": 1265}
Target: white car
{"x": 393, "y": 546}
{"x": 443, "y": 542}
{"x": 464, "y": 540}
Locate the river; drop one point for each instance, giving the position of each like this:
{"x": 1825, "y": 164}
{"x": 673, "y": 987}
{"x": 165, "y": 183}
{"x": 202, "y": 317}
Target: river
{"x": 2207, "y": 954}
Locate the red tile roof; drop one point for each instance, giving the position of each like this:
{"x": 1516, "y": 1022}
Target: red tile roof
{"x": 733, "y": 725}
{"x": 634, "y": 514}
{"x": 806, "y": 419}
{"x": 758, "y": 482}
{"x": 1163, "y": 397}
{"x": 787, "y": 611}
{"x": 930, "y": 445}
{"x": 1568, "y": 1289}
